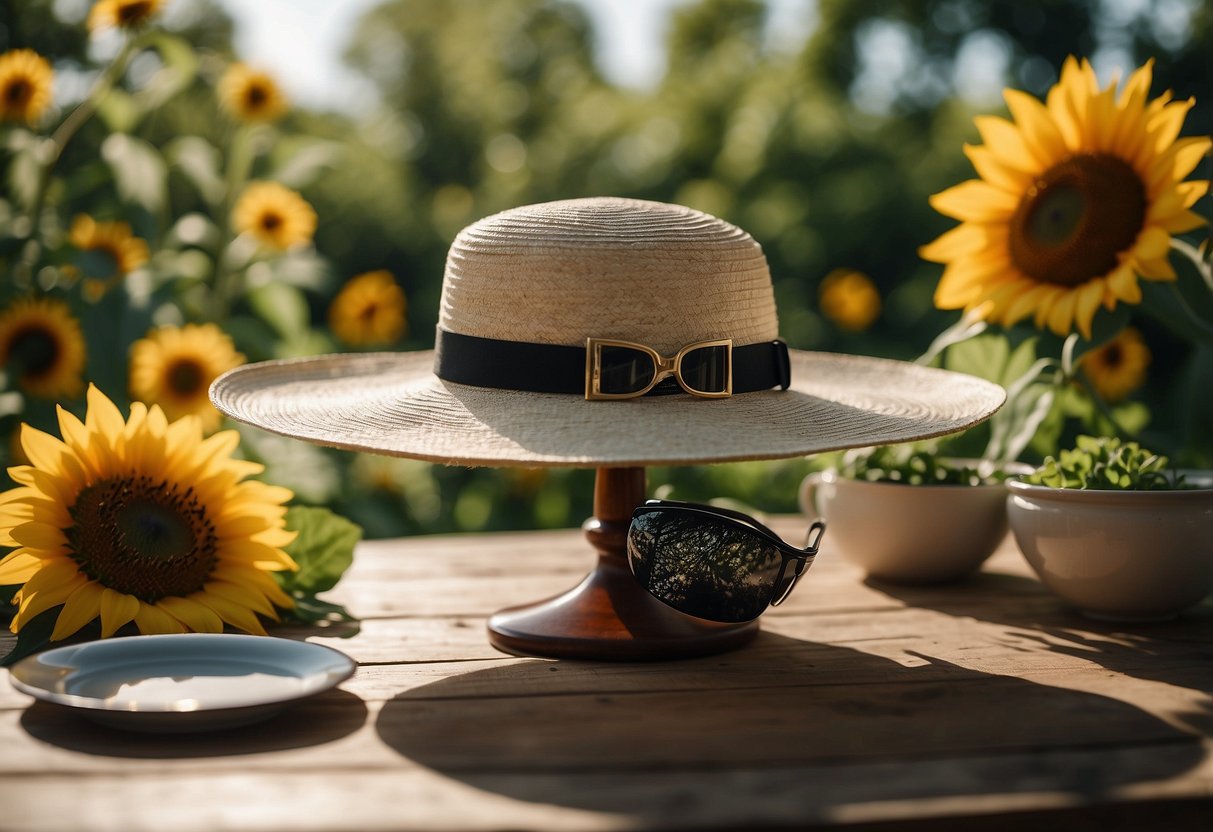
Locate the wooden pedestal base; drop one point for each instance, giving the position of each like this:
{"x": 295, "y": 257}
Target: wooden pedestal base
{"x": 609, "y": 615}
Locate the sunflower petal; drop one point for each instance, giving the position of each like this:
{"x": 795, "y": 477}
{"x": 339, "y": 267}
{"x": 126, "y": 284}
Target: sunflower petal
{"x": 1024, "y": 304}
{"x": 196, "y": 617}
{"x": 42, "y": 449}
{"x": 1180, "y": 223}
{"x": 1123, "y": 283}
{"x": 238, "y": 616}
{"x": 242, "y": 595}
{"x": 966, "y": 238}
{"x": 1006, "y": 142}
{"x": 992, "y": 170}
{"x": 38, "y": 535}
{"x": 1061, "y": 316}
{"x": 263, "y": 581}
{"x": 81, "y": 607}
{"x": 1159, "y": 269}
{"x": 1041, "y": 136}
{"x": 34, "y": 604}
{"x": 1152, "y": 244}
{"x": 975, "y": 200}
{"x": 18, "y": 567}
{"x": 1086, "y": 303}
{"x": 154, "y": 621}
{"x": 1165, "y": 125}
{"x": 117, "y": 608}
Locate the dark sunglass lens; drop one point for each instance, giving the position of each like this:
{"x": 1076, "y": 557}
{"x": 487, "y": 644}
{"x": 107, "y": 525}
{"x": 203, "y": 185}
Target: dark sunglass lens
{"x": 702, "y": 566}
{"x": 706, "y": 369}
{"x": 624, "y": 370}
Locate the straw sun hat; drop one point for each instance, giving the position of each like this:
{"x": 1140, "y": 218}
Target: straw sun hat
{"x": 522, "y": 293}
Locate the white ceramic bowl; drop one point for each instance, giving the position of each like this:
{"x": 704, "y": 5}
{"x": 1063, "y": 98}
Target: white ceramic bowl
{"x": 1124, "y": 555}
{"x": 908, "y": 534}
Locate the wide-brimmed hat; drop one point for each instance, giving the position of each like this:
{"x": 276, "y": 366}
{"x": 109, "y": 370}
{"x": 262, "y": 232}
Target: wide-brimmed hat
{"x": 522, "y": 293}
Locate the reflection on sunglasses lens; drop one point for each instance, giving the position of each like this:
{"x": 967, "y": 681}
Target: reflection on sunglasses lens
{"x": 706, "y": 369}
{"x": 624, "y": 370}
{"x": 708, "y": 569}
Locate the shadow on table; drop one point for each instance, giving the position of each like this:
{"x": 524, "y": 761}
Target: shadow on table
{"x": 1178, "y": 652}
{"x": 321, "y": 719}
{"x": 784, "y": 722}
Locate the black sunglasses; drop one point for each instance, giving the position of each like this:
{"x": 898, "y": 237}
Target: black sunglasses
{"x": 714, "y": 563}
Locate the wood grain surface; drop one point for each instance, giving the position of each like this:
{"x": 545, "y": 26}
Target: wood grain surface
{"x": 985, "y": 704}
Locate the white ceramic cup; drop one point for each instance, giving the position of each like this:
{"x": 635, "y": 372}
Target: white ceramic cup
{"x": 1122, "y": 555}
{"x": 908, "y": 534}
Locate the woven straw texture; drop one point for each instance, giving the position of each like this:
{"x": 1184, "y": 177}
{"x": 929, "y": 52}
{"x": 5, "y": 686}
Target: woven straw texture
{"x": 391, "y": 403}
{"x": 560, "y": 272}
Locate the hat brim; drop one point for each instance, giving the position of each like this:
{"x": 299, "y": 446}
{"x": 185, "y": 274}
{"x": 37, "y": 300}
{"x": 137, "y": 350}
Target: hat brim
{"x": 391, "y": 403}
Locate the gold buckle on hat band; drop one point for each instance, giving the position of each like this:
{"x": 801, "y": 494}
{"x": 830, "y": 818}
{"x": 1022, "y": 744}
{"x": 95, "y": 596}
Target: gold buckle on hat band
{"x": 662, "y": 368}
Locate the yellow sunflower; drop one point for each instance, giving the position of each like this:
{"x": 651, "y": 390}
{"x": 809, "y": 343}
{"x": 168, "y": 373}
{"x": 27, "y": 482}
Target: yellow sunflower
{"x": 42, "y": 346}
{"x": 127, "y": 14}
{"x": 249, "y": 94}
{"x": 173, "y": 367}
{"x": 117, "y": 252}
{"x": 275, "y": 215}
{"x": 368, "y": 310}
{"x": 25, "y": 85}
{"x": 1118, "y": 367}
{"x": 1078, "y": 198}
{"x": 141, "y": 521}
{"x": 849, "y": 299}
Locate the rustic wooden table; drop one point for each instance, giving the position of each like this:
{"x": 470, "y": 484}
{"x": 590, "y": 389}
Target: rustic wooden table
{"x": 982, "y": 705}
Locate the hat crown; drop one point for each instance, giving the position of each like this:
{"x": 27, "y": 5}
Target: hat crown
{"x": 560, "y": 272}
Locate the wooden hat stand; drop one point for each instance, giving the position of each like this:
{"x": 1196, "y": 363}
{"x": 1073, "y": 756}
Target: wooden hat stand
{"x": 609, "y": 615}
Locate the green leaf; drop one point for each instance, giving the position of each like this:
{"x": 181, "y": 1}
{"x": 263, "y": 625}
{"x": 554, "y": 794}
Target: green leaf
{"x": 140, "y": 173}
{"x": 985, "y": 356}
{"x": 311, "y": 610}
{"x": 307, "y": 162}
{"x": 324, "y": 549}
{"x": 1020, "y": 362}
{"x": 201, "y": 163}
{"x": 119, "y": 111}
{"x": 23, "y": 174}
{"x": 180, "y": 68}
{"x": 281, "y": 306}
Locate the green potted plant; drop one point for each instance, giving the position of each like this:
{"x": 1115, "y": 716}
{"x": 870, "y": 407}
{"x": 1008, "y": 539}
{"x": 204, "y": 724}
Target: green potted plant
{"x": 1113, "y": 530}
{"x": 907, "y": 515}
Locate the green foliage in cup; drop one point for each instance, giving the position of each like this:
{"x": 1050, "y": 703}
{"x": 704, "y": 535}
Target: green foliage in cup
{"x": 914, "y": 465}
{"x": 1106, "y": 463}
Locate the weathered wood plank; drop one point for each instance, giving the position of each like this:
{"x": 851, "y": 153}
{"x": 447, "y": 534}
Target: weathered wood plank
{"x": 859, "y": 703}
{"x": 339, "y": 796}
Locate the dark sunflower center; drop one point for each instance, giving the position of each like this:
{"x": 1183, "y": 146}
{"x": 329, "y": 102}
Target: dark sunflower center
{"x": 1077, "y": 218}
{"x": 185, "y": 377}
{"x": 18, "y": 92}
{"x": 271, "y": 221}
{"x": 143, "y": 538}
{"x": 33, "y": 352}
{"x": 368, "y": 312}
{"x": 257, "y": 96}
{"x": 1113, "y": 356}
{"x": 102, "y": 261}
{"x": 133, "y": 12}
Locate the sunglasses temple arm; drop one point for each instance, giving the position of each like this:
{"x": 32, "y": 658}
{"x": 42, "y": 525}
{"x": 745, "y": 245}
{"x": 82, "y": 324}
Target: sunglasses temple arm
{"x": 813, "y": 539}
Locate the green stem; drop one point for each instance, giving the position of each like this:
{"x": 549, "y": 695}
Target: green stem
{"x": 53, "y": 148}
{"x": 224, "y": 282}
{"x": 1203, "y": 268}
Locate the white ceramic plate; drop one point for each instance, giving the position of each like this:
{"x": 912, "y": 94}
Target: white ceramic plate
{"x": 188, "y": 682}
